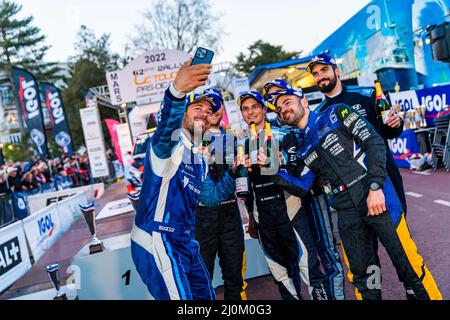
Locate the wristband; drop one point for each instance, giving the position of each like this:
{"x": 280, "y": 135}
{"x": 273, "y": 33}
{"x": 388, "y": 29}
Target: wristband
{"x": 177, "y": 94}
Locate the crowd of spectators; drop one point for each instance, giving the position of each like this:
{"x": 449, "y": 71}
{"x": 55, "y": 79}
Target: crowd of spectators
{"x": 32, "y": 175}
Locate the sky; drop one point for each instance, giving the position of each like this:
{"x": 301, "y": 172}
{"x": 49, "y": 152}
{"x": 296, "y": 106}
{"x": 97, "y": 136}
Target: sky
{"x": 294, "y": 24}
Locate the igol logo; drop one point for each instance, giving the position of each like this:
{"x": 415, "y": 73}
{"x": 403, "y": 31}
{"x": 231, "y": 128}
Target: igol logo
{"x": 435, "y": 102}
{"x": 398, "y": 146}
{"x": 46, "y": 225}
{"x": 30, "y": 98}
{"x": 55, "y": 103}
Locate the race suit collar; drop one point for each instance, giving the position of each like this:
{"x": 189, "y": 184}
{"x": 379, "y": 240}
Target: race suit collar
{"x": 186, "y": 140}
{"x": 344, "y": 89}
{"x": 311, "y": 122}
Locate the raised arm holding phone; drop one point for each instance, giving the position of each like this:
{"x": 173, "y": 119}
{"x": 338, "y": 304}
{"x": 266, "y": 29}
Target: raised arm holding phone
{"x": 163, "y": 249}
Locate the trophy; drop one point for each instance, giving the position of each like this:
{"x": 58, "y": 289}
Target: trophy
{"x": 134, "y": 198}
{"x": 412, "y": 119}
{"x": 53, "y": 273}
{"x": 421, "y": 112}
{"x": 406, "y": 120}
{"x": 89, "y": 215}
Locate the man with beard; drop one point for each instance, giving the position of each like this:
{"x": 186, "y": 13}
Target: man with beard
{"x": 316, "y": 207}
{"x": 163, "y": 247}
{"x": 219, "y": 227}
{"x": 340, "y": 146}
{"x": 277, "y": 217}
{"x": 326, "y": 75}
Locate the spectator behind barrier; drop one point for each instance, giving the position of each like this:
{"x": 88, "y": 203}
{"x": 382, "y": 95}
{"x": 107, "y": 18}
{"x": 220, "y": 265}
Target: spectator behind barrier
{"x": 3, "y": 183}
{"x": 14, "y": 182}
{"x": 29, "y": 183}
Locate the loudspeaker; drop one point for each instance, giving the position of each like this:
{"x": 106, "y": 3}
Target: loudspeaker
{"x": 440, "y": 42}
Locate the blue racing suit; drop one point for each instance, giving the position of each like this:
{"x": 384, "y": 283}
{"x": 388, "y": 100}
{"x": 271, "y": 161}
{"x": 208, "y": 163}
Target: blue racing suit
{"x": 163, "y": 247}
{"x": 283, "y": 227}
{"x": 318, "y": 211}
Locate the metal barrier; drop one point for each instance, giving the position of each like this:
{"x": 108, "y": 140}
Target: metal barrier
{"x": 441, "y": 143}
{"x": 6, "y": 210}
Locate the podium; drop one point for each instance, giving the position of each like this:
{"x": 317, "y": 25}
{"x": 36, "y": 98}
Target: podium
{"x": 111, "y": 274}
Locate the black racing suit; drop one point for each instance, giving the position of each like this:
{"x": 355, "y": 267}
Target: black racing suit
{"x": 342, "y": 147}
{"x": 283, "y": 230}
{"x": 219, "y": 229}
{"x": 362, "y": 99}
{"x": 318, "y": 211}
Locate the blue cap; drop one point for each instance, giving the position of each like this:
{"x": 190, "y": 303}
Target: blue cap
{"x": 322, "y": 58}
{"x": 211, "y": 97}
{"x": 251, "y": 94}
{"x": 273, "y": 97}
{"x": 280, "y": 83}
{"x": 214, "y": 91}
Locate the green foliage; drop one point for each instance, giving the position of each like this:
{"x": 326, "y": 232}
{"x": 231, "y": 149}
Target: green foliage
{"x": 261, "y": 53}
{"x": 88, "y": 69}
{"x": 84, "y": 75}
{"x": 19, "y": 152}
{"x": 22, "y": 44}
{"x": 54, "y": 150}
{"x": 97, "y": 50}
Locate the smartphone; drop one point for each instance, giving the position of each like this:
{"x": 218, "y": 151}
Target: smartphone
{"x": 202, "y": 55}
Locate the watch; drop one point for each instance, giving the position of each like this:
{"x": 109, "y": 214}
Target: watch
{"x": 374, "y": 186}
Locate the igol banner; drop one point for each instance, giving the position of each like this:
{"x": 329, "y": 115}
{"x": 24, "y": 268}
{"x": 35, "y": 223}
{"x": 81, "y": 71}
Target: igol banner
{"x": 57, "y": 114}
{"x": 29, "y": 101}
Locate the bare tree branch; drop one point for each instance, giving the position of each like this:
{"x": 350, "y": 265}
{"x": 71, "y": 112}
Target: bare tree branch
{"x": 177, "y": 24}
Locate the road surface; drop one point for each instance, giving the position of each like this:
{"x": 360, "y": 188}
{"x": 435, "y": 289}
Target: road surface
{"x": 428, "y": 196}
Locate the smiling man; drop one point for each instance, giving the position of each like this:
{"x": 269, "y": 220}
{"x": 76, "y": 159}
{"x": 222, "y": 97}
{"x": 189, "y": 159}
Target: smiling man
{"x": 163, "y": 247}
{"x": 278, "y": 218}
{"x": 219, "y": 227}
{"x": 340, "y": 146}
{"x": 315, "y": 203}
{"x": 326, "y": 75}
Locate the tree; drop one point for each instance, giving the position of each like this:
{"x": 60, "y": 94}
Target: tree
{"x": 262, "y": 53}
{"x": 88, "y": 47}
{"x": 178, "y": 24}
{"x": 22, "y": 44}
{"x": 20, "y": 152}
{"x": 84, "y": 74}
{"x": 87, "y": 69}
{"x": 54, "y": 149}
